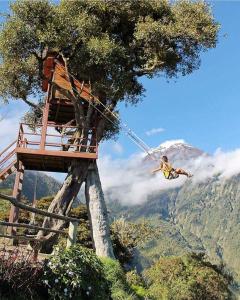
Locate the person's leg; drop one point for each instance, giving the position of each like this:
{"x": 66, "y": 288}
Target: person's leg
{"x": 182, "y": 172}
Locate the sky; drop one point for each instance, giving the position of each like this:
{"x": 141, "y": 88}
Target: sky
{"x": 201, "y": 108}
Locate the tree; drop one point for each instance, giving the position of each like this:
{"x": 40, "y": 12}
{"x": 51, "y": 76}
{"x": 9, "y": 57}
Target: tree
{"x": 187, "y": 277}
{"x": 110, "y": 44}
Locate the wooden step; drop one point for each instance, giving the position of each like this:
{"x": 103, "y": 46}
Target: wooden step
{"x": 8, "y": 170}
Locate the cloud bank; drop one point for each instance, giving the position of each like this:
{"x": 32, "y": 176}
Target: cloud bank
{"x": 131, "y": 182}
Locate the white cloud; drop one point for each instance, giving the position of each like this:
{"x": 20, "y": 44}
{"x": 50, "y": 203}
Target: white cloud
{"x": 154, "y": 131}
{"x": 227, "y": 164}
{"x": 130, "y": 180}
{"x": 117, "y": 148}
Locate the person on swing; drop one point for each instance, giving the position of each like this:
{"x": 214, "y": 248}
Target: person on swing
{"x": 168, "y": 171}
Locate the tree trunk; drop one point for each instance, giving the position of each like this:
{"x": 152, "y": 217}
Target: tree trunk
{"x": 97, "y": 212}
{"x": 63, "y": 201}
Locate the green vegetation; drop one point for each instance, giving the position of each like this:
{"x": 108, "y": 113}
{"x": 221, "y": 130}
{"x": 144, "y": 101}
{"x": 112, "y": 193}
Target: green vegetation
{"x": 5, "y": 205}
{"x": 75, "y": 273}
{"x": 126, "y": 236}
{"x": 187, "y": 277}
{"x": 137, "y": 284}
{"x": 111, "y": 43}
{"x": 196, "y": 217}
{"x": 119, "y": 287}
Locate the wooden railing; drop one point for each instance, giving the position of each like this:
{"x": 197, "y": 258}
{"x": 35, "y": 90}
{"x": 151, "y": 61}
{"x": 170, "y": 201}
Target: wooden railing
{"x": 73, "y": 222}
{"x": 58, "y": 137}
{"x": 7, "y": 155}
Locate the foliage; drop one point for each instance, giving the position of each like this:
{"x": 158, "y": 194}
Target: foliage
{"x": 186, "y": 277}
{"x": 83, "y": 231}
{"x": 111, "y": 43}
{"x": 117, "y": 279}
{"x": 20, "y": 278}
{"x": 5, "y": 208}
{"x": 136, "y": 283}
{"x": 126, "y": 236}
{"x": 4, "y": 205}
{"x": 75, "y": 273}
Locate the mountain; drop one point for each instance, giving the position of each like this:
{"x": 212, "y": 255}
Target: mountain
{"x": 176, "y": 150}
{"x": 46, "y": 185}
{"x": 196, "y": 216}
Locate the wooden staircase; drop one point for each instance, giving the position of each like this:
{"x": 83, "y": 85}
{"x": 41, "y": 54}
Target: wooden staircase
{"x": 8, "y": 162}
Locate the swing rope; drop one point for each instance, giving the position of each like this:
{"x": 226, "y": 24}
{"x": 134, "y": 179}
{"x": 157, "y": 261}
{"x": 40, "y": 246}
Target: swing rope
{"x": 130, "y": 133}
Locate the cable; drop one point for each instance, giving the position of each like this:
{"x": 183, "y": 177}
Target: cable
{"x": 130, "y": 133}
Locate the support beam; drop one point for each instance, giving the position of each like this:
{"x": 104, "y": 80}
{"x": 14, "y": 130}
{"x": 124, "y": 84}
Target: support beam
{"x": 44, "y": 125}
{"x": 17, "y": 191}
{"x": 72, "y": 234}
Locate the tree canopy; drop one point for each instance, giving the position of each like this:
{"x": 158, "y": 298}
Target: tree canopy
{"x": 187, "y": 277}
{"x": 109, "y": 43}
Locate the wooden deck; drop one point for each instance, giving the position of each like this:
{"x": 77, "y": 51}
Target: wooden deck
{"x": 50, "y": 160}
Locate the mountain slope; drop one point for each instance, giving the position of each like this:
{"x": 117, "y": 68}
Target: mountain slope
{"x": 197, "y": 216}
{"x": 46, "y": 185}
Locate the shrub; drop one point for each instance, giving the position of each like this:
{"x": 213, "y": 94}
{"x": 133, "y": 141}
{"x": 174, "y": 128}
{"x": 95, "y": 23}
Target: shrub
{"x": 20, "y": 278}
{"x": 117, "y": 279}
{"x": 136, "y": 283}
{"x": 126, "y": 236}
{"x": 75, "y": 273}
{"x": 187, "y": 277}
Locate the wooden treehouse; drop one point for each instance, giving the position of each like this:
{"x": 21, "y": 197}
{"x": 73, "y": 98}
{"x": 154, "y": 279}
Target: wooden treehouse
{"x": 52, "y": 145}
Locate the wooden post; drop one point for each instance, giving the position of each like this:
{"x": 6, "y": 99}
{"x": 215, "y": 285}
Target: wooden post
{"x": 72, "y": 234}
{"x": 34, "y": 202}
{"x": 17, "y": 190}
{"x": 44, "y": 125}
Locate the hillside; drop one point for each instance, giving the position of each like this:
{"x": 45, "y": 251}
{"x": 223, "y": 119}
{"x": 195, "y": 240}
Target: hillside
{"x": 46, "y": 185}
{"x": 197, "y": 216}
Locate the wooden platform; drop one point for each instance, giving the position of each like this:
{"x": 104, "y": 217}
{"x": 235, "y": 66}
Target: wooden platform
{"x": 48, "y": 160}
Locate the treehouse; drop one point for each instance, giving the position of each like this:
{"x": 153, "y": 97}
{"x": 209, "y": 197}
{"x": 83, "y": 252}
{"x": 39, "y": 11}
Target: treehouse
{"x": 52, "y": 145}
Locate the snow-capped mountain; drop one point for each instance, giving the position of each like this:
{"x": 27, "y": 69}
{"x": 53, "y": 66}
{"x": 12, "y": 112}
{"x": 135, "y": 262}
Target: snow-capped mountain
{"x": 176, "y": 150}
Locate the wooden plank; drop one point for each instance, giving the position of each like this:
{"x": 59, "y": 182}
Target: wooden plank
{"x": 67, "y": 154}
{"x": 9, "y": 146}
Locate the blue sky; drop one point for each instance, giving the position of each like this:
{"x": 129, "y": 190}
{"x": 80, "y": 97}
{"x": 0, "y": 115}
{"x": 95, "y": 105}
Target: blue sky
{"x": 201, "y": 108}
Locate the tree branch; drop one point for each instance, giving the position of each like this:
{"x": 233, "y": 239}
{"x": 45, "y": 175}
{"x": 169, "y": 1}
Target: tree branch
{"x": 148, "y": 70}
{"x": 33, "y": 105}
